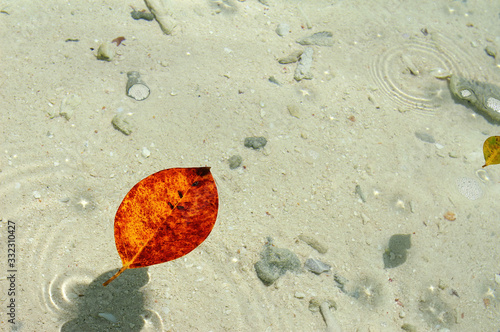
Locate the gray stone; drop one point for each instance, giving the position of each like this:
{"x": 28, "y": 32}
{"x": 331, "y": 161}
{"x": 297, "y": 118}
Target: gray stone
{"x": 121, "y": 123}
{"x": 283, "y": 29}
{"x": 303, "y": 70}
{"x": 235, "y": 161}
{"x": 323, "y": 38}
{"x": 255, "y": 142}
{"x": 396, "y": 254}
{"x": 274, "y": 263}
{"x": 483, "y": 97}
{"x": 291, "y": 58}
{"x": 316, "y": 266}
{"x": 314, "y": 243}
{"x": 425, "y": 137}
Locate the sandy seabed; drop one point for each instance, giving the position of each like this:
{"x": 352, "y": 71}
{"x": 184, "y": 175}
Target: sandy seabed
{"x": 366, "y": 119}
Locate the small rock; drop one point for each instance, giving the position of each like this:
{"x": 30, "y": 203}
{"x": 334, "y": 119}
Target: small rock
{"x": 303, "y": 70}
{"x": 396, "y": 254}
{"x": 425, "y": 137}
{"x": 283, "y": 29}
{"x": 299, "y": 295}
{"x": 255, "y": 142}
{"x": 105, "y": 52}
{"x": 145, "y": 152}
{"x": 36, "y": 195}
{"x": 323, "y": 38}
{"x": 108, "y": 316}
{"x": 121, "y": 123}
{"x": 235, "y": 161}
{"x": 321, "y": 248}
{"x": 292, "y": 58}
{"x": 409, "y": 328}
{"x": 294, "y": 110}
{"x": 316, "y": 266}
{"x": 274, "y": 263}
{"x": 491, "y": 51}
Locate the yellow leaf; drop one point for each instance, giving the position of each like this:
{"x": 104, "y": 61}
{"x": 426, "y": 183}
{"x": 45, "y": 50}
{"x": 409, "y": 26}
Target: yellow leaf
{"x": 491, "y": 151}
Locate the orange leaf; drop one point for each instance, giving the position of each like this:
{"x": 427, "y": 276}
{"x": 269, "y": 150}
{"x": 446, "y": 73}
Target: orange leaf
{"x": 491, "y": 151}
{"x": 165, "y": 216}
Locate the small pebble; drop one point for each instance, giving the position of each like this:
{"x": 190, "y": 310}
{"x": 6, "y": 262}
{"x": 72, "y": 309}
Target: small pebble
{"x": 294, "y": 110}
{"x": 36, "y": 194}
{"x": 314, "y": 243}
{"x": 142, "y": 15}
{"x": 145, "y": 152}
{"x": 491, "y": 51}
{"x": 107, "y": 316}
{"x": 121, "y": 123}
{"x": 274, "y": 263}
{"x": 299, "y": 295}
{"x": 316, "y": 266}
{"x": 292, "y": 58}
{"x": 323, "y": 38}
{"x": 255, "y": 142}
{"x": 425, "y": 137}
{"x": 360, "y": 193}
{"x": 303, "y": 70}
{"x": 105, "y": 52}
{"x": 283, "y": 29}
{"x": 235, "y": 161}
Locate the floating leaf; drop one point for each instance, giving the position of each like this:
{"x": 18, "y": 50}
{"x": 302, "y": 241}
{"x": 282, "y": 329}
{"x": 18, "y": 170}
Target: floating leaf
{"x": 165, "y": 216}
{"x": 491, "y": 151}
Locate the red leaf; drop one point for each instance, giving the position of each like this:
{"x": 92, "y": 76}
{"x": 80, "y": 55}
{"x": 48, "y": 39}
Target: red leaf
{"x": 165, "y": 216}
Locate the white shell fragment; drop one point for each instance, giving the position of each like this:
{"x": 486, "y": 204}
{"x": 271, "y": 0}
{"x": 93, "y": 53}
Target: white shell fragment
{"x": 107, "y": 316}
{"x": 145, "y": 152}
{"x": 136, "y": 88}
{"x": 440, "y": 73}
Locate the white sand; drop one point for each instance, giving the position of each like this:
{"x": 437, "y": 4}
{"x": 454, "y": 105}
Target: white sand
{"x": 210, "y": 90}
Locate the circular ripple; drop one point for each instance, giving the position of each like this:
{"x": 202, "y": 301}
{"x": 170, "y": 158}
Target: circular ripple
{"x": 405, "y": 72}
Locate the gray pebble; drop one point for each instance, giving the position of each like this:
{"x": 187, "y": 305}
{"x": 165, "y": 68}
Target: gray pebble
{"x": 283, "y": 29}
{"x": 484, "y": 97}
{"x": 396, "y": 254}
{"x": 323, "y": 38}
{"x": 105, "y": 52}
{"x": 314, "y": 243}
{"x": 316, "y": 266}
{"x": 292, "y": 58}
{"x": 425, "y": 137}
{"x": 121, "y": 123}
{"x": 235, "y": 161}
{"x": 141, "y": 15}
{"x": 491, "y": 51}
{"x": 303, "y": 70}
{"x": 274, "y": 263}
{"x": 255, "y": 142}
{"x": 360, "y": 193}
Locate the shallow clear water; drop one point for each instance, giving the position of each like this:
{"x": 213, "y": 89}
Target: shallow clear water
{"x": 376, "y": 146}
